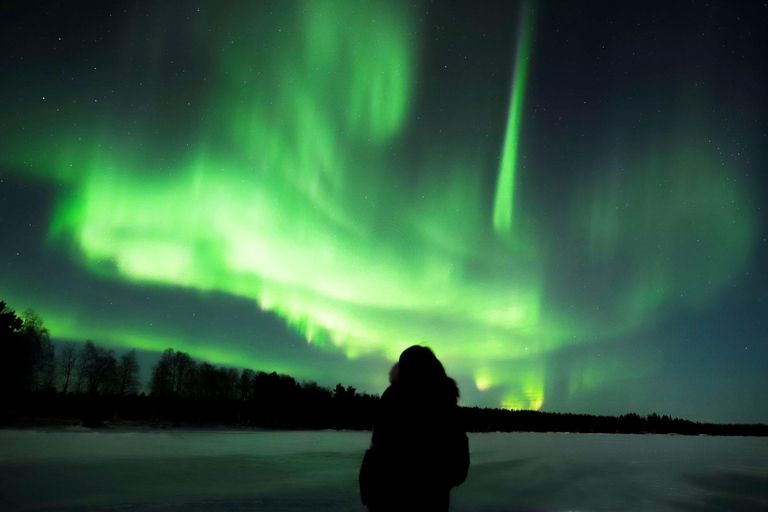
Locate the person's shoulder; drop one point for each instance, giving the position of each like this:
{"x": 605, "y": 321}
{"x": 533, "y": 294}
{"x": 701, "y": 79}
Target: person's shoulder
{"x": 391, "y": 393}
{"x": 393, "y": 396}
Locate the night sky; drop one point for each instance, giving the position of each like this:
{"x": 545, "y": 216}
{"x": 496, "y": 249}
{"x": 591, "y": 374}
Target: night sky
{"x": 566, "y": 200}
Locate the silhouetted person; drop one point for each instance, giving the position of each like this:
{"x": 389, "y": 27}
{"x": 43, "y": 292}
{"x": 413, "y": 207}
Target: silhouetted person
{"x": 418, "y": 449}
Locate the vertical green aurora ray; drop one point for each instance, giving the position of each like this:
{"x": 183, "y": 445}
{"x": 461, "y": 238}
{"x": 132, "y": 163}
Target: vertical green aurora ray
{"x": 503, "y": 207}
{"x": 289, "y": 194}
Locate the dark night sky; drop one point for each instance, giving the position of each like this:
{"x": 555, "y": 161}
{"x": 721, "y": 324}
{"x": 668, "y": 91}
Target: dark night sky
{"x": 565, "y": 200}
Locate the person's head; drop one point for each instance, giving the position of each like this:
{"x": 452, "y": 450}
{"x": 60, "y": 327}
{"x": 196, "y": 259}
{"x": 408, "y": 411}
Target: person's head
{"x": 419, "y": 368}
{"x": 394, "y": 372}
{"x": 418, "y": 365}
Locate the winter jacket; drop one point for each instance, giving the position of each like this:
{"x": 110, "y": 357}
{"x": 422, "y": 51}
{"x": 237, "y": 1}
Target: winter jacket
{"x": 418, "y": 452}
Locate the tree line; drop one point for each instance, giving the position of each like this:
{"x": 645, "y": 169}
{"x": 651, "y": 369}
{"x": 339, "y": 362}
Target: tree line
{"x": 90, "y": 385}
{"x": 187, "y": 392}
{"x": 32, "y": 365}
{"x": 501, "y": 420}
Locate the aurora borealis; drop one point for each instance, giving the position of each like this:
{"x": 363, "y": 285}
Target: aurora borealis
{"x": 566, "y": 203}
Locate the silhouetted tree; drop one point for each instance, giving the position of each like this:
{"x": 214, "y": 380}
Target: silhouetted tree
{"x": 339, "y": 392}
{"x": 161, "y": 383}
{"x": 174, "y": 375}
{"x": 28, "y": 362}
{"x": 246, "y": 384}
{"x": 182, "y": 373}
{"x": 9, "y": 322}
{"x": 14, "y": 361}
{"x": 68, "y": 358}
{"x": 80, "y": 367}
{"x": 100, "y": 370}
{"x": 42, "y": 371}
{"x": 208, "y": 381}
{"x": 128, "y": 374}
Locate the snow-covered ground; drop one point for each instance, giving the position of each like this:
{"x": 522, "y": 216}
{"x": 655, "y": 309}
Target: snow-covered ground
{"x": 261, "y": 471}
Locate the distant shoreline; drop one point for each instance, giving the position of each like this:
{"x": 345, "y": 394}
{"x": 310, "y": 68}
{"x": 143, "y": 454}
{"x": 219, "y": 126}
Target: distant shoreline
{"x": 242, "y": 428}
{"x": 74, "y": 424}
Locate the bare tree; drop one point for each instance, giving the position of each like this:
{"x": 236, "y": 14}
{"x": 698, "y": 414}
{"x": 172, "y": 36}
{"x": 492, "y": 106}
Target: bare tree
{"x": 100, "y": 369}
{"x": 46, "y": 366}
{"x": 81, "y": 366}
{"x": 231, "y": 379}
{"x": 162, "y": 380}
{"x": 246, "y": 384}
{"x": 208, "y": 380}
{"x": 183, "y": 368}
{"x": 128, "y": 374}
{"x": 68, "y": 359}
{"x": 174, "y": 374}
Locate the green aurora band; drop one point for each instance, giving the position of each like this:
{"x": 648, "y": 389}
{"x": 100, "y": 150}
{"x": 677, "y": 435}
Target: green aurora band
{"x": 290, "y": 195}
{"x": 505, "y": 187}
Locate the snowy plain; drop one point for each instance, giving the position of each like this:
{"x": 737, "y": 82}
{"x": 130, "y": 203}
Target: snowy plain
{"x": 228, "y": 470}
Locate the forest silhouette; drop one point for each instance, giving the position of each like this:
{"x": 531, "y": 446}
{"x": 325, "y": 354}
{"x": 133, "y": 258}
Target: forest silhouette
{"x": 86, "y": 384}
